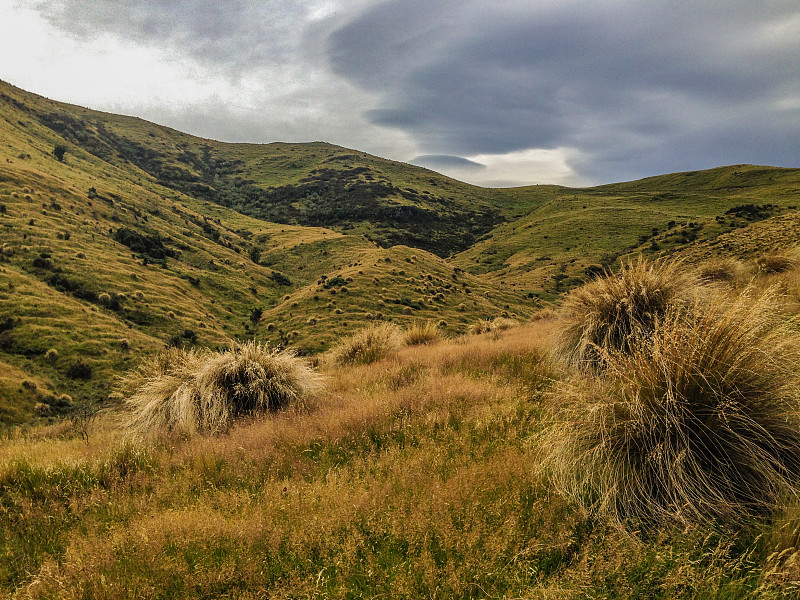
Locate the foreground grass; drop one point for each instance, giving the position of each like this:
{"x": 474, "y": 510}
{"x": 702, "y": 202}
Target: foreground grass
{"x": 411, "y": 477}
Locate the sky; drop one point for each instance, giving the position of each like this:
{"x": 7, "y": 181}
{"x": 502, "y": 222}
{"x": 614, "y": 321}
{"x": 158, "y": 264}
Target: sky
{"x": 491, "y": 92}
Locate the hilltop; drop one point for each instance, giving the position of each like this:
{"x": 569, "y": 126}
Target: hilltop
{"x": 144, "y": 236}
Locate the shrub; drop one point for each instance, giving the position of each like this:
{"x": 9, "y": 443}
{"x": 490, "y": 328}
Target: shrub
{"x": 255, "y": 315}
{"x": 372, "y": 343}
{"x": 698, "y": 420}
{"x": 187, "y": 391}
{"x": 421, "y": 333}
{"x": 59, "y": 150}
{"x": 605, "y": 314}
{"x": 280, "y": 278}
{"x": 51, "y": 355}
{"x": 79, "y": 370}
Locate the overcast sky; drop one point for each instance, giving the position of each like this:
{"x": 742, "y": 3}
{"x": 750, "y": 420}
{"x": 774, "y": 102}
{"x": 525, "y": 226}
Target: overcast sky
{"x": 492, "y": 92}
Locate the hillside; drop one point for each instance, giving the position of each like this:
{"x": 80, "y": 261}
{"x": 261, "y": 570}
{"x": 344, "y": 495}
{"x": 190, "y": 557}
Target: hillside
{"x": 144, "y": 236}
{"x": 570, "y": 232}
{"x": 638, "y": 438}
{"x": 104, "y": 263}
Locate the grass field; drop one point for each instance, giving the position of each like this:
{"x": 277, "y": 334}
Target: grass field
{"x": 451, "y": 452}
{"x": 413, "y": 476}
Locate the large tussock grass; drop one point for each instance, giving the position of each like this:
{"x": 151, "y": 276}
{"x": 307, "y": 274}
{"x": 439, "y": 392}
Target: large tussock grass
{"x": 697, "y": 419}
{"x": 606, "y": 314}
{"x": 188, "y": 392}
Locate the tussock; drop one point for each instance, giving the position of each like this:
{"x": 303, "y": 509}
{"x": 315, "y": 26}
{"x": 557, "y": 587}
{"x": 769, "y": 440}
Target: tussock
{"x": 698, "y": 420}
{"x": 604, "y": 315}
{"x": 725, "y": 270}
{"x": 188, "y": 392}
{"x": 776, "y": 263}
{"x": 368, "y": 345}
{"x": 496, "y": 324}
{"x": 421, "y": 333}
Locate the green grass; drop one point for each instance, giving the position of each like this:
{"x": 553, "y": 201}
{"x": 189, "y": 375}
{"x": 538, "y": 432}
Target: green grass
{"x": 519, "y": 247}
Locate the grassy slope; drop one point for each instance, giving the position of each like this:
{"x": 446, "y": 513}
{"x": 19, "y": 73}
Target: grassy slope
{"x": 67, "y": 214}
{"x": 411, "y": 477}
{"x": 569, "y": 230}
{"x": 122, "y": 172}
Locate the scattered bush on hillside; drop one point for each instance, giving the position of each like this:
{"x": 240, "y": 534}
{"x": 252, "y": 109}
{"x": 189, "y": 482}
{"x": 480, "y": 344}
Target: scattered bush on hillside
{"x": 255, "y": 314}
{"x": 775, "y": 263}
{"x": 605, "y": 314}
{"x": 79, "y": 370}
{"x": 150, "y": 246}
{"x": 59, "y": 151}
{"x": 280, "y": 278}
{"x": 421, "y": 333}
{"x": 186, "y": 392}
{"x": 368, "y": 345}
{"x": 697, "y": 420}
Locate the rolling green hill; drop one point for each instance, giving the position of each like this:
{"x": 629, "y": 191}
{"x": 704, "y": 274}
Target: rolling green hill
{"x": 106, "y": 258}
{"x": 144, "y": 236}
{"x": 569, "y": 233}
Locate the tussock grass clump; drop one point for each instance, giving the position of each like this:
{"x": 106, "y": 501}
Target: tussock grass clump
{"x": 188, "y": 391}
{"x": 368, "y": 345}
{"x": 776, "y": 263}
{"x": 492, "y": 325}
{"x": 723, "y": 270}
{"x": 698, "y": 420}
{"x": 421, "y": 333}
{"x": 606, "y": 314}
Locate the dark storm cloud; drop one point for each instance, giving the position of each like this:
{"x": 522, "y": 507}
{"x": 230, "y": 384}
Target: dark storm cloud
{"x": 638, "y": 88}
{"x": 441, "y": 161}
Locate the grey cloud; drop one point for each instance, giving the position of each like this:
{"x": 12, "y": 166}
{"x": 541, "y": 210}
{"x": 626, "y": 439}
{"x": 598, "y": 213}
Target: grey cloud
{"x": 637, "y": 88}
{"x": 442, "y": 161}
{"x": 235, "y": 34}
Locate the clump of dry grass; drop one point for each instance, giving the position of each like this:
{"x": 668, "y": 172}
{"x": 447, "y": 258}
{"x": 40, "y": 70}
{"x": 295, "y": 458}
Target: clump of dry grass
{"x": 697, "y": 420}
{"x": 776, "y": 262}
{"x": 368, "y": 345}
{"x": 492, "y": 325}
{"x": 605, "y": 314}
{"x": 187, "y": 391}
{"x": 421, "y": 333}
{"x": 724, "y": 269}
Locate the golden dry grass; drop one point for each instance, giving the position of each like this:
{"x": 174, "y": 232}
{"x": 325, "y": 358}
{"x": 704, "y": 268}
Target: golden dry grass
{"x": 368, "y": 345}
{"x": 698, "y": 419}
{"x": 495, "y": 324}
{"x": 186, "y": 392}
{"x": 421, "y": 333}
{"x": 606, "y": 314}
